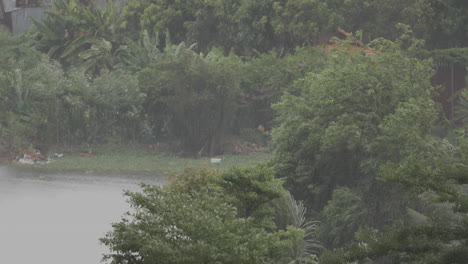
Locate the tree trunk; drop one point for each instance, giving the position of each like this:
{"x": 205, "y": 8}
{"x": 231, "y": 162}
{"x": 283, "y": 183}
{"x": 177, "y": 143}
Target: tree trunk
{"x": 2, "y": 13}
{"x": 218, "y": 134}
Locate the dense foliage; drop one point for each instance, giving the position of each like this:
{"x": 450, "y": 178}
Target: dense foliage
{"x": 147, "y": 95}
{"x": 357, "y": 143}
{"x": 44, "y": 105}
{"x": 356, "y": 132}
{"x": 197, "y": 108}
{"x": 437, "y": 233}
{"x": 79, "y": 35}
{"x": 267, "y": 24}
{"x": 207, "y": 217}
{"x": 332, "y": 133}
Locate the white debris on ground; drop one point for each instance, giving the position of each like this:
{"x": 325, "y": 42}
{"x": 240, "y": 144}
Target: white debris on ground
{"x": 25, "y": 160}
{"x": 49, "y": 160}
{"x": 34, "y": 157}
{"x": 216, "y": 160}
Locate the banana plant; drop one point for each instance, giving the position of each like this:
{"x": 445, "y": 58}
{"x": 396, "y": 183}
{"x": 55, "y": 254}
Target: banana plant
{"x": 139, "y": 54}
{"x": 98, "y": 56}
{"x": 290, "y": 212}
{"x": 80, "y": 34}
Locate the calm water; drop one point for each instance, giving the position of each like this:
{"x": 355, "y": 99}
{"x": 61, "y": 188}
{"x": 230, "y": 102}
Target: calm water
{"x": 57, "y": 219}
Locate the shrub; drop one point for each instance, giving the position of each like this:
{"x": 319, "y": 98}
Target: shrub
{"x": 29, "y": 86}
{"x": 201, "y": 218}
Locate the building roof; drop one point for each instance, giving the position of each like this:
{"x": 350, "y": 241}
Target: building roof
{"x": 9, "y": 5}
{"x": 356, "y": 46}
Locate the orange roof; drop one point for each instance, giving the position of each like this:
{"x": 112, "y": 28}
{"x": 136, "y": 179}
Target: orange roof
{"x": 357, "y": 47}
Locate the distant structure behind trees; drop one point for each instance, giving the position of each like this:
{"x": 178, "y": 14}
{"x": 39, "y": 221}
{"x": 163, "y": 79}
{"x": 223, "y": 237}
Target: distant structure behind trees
{"x": 18, "y": 15}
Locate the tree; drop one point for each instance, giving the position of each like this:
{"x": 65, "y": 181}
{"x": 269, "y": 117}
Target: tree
{"x": 302, "y": 23}
{"x": 207, "y": 23}
{"x": 192, "y": 97}
{"x": 242, "y": 25}
{"x": 445, "y": 24}
{"x": 29, "y": 84}
{"x": 442, "y": 24}
{"x": 328, "y": 133}
{"x": 377, "y": 18}
{"x": 267, "y": 76}
{"x": 200, "y": 218}
{"x": 341, "y": 217}
{"x": 436, "y": 234}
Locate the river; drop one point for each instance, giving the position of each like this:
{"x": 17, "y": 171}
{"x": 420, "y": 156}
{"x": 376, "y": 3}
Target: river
{"x": 58, "y": 218}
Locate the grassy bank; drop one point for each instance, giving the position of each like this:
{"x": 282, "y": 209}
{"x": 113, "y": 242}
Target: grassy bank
{"x": 119, "y": 160}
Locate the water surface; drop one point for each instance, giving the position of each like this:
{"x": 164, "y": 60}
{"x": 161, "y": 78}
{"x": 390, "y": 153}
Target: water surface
{"x": 57, "y": 218}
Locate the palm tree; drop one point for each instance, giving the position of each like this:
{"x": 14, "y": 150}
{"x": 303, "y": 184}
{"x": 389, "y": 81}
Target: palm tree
{"x": 290, "y": 212}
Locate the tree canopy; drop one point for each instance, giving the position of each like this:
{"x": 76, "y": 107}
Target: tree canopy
{"x": 356, "y": 132}
{"x": 206, "y": 217}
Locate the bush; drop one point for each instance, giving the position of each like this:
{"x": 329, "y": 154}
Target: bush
{"x": 29, "y": 86}
{"x": 204, "y": 217}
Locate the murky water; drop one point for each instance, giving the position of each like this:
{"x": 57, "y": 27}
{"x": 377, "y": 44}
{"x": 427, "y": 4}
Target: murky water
{"x": 56, "y": 219}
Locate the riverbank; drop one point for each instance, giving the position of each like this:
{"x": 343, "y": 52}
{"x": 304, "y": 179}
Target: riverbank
{"x": 138, "y": 161}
